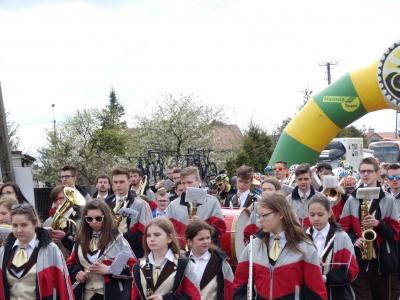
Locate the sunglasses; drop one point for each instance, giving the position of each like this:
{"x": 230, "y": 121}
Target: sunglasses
{"x": 98, "y": 219}
{"x": 394, "y": 177}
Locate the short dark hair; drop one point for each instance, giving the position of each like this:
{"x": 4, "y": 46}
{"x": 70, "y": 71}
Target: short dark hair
{"x": 284, "y": 163}
{"x": 135, "y": 170}
{"x": 324, "y": 165}
{"x": 394, "y": 166}
{"x": 272, "y": 180}
{"x": 103, "y": 176}
{"x": 69, "y": 168}
{"x": 177, "y": 183}
{"x": 245, "y": 172}
{"x": 302, "y": 169}
{"x": 369, "y": 161}
{"x": 120, "y": 171}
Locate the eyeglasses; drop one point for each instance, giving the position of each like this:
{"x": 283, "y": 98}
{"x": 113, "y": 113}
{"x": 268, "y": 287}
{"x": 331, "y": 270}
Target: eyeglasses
{"x": 98, "y": 219}
{"x": 367, "y": 171}
{"x": 66, "y": 176}
{"x": 278, "y": 169}
{"x": 393, "y": 177}
{"x": 264, "y": 215}
{"x": 7, "y": 193}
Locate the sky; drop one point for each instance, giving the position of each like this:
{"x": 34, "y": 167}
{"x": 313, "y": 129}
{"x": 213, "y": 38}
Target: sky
{"x": 251, "y": 57}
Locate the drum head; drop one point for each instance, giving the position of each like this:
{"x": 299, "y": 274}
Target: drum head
{"x": 241, "y": 222}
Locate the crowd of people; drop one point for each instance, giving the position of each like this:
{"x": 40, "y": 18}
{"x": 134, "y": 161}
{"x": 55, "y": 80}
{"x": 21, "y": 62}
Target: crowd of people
{"x": 304, "y": 237}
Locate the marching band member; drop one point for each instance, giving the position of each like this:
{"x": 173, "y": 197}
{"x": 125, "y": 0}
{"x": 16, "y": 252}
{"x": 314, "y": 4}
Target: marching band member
{"x": 373, "y": 281}
{"x": 285, "y": 262}
{"x": 210, "y": 211}
{"x": 269, "y": 185}
{"x": 335, "y": 194}
{"x": 126, "y": 200}
{"x": 163, "y": 274}
{"x": 281, "y": 171}
{"x": 136, "y": 180}
{"x": 211, "y": 266}
{"x": 12, "y": 189}
{"x": 302, "y": 193}
{"x": 335, "y": 249}
{"x": 244, "y": 198}
{"x": 32, "y": 267}
{"x": 68, "y": 177}
{"x": 103, "y": 187}
{"x": 98, "y": 243}
{"x": 162, "y": 199}
{"x": 6, "y": 203}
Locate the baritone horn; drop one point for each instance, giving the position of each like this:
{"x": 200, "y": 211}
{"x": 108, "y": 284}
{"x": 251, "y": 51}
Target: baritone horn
{"x": 61, "y": 219}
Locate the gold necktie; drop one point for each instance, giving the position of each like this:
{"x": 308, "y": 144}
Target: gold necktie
{"x": 93, "y": 246}
{"x": 20, "y": 257}
{"x": 276, "y": 248}
{"x": 156, "y": 274}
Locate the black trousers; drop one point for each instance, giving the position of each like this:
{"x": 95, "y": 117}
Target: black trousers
{"x": 97, "y": 297}
{"x": 370, "y": 285}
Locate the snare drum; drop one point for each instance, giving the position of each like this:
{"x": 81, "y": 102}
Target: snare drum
{"x": 232, "y": 241}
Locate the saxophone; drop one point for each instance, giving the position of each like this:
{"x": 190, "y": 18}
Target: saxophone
{"x": 117, "y": 217}
{"x": 367, "y": 233}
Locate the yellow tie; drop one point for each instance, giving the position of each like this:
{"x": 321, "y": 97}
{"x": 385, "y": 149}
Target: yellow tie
{"x": 276, "y": 248}
{"x": 20, "y": 257}
{"x": 93, "y": 244}
{"x": 156, "y": 274}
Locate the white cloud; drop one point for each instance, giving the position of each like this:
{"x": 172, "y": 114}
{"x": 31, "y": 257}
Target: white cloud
{"x": 252, "y": 57}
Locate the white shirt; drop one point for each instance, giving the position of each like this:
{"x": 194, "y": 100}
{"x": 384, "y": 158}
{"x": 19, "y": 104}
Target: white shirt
{"x": 29, "y": 250}
{"x": 243, "y": 197}
{"x": 119, "y": 198}
{"x": 282, "y": 239}
{"x": 319, "y": 238}
{"x": 304, "y": 195}
{"x": 200, "y": 263}
{"x": 169, "y": 256}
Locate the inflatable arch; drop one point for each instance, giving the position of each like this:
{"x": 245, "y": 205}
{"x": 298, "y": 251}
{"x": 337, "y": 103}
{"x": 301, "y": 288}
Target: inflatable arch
{"x": 349, "y": 98}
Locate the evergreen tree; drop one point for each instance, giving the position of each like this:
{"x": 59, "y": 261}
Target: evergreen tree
{"x": 255, "y": 150}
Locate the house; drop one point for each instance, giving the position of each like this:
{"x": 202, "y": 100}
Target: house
{"x": 226, "y": 137}
{"x": 372, "y": 136}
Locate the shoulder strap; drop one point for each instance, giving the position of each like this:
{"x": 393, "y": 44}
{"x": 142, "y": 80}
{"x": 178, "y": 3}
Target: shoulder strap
{"x": 138, "y": 282}
{"x": 180, "y": 272}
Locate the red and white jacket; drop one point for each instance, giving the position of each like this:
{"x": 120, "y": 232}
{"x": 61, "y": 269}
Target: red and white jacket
{"x": 295, "y": 274}
{"x": 52, "y": 277}
{"x": 210, "y": 212}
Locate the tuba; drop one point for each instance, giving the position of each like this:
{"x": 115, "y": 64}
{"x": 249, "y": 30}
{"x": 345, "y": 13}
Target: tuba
{"x": 368, "y": 234}
{"x": 61, "y": 218}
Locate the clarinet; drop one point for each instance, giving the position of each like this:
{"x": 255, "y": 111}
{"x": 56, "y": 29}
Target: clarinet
{"x": 250, "y": 281}
{"x": 149, "y": 278}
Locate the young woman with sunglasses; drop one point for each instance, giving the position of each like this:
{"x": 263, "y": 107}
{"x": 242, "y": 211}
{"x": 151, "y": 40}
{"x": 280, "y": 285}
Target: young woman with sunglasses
{"x": 163, "y": 274}
{"x": 32, "y": 267}
{"x": 211, "y": 266}
{"x": 335, "y": 249}
{"x": 98, "y": 244}
{"x": 285, "y": 262}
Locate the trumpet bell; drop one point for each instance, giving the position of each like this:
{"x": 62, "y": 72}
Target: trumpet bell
{"x": 74, "y": 196}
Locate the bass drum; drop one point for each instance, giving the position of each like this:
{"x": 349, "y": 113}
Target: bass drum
{"x": 232, "y": 241}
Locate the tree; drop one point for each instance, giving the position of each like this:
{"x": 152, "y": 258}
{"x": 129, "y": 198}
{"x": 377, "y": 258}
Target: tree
{"x": 255, "y": 150}
{"x": 352, "y": 131}
{"x": 13, "y": 137}
{"x": 177, "y": 124}
{"x": 91, "y": 140}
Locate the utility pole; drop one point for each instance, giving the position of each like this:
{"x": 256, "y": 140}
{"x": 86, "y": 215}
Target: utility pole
{"x": 328, "y": 66}
{"x": 7, "y": 170}
{"x": 54, "y": 120}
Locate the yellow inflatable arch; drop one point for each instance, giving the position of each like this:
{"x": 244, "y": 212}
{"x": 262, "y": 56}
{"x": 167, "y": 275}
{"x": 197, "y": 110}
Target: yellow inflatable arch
{"x": 349, "y": 98}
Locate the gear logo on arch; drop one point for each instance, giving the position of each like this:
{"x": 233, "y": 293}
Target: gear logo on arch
{"x": 389, "y": 74}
